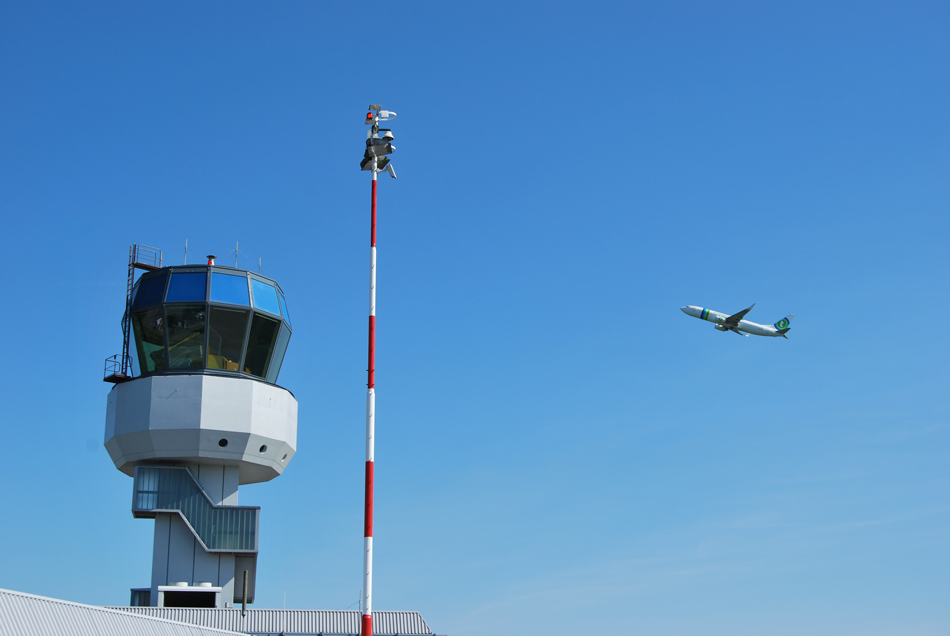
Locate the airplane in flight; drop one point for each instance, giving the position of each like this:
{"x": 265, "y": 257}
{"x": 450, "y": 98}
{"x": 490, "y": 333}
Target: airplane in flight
{"x": 736, "y": 323}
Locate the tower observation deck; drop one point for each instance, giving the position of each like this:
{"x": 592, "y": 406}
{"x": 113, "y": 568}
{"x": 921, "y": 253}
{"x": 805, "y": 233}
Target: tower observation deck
{"x": 196, "y": 412}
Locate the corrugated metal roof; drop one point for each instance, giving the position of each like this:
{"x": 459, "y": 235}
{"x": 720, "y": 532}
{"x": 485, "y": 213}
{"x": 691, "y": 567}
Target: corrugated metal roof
{"x": 28, "y": 615}
{"x": 299, "y": 622}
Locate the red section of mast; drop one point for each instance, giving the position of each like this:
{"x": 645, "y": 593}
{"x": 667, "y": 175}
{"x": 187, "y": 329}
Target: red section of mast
{"x": 368, "y": 513}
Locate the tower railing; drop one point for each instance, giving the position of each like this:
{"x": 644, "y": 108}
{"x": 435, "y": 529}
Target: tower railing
{"x": 116, "y": 370}
{"x": 145, "y": 257}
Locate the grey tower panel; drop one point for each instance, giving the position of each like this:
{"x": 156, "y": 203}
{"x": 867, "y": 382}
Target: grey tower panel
{"x": 202, "y": 419}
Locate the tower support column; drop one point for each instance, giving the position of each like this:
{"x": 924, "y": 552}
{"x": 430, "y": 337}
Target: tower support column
{"x": 178, "y": 557}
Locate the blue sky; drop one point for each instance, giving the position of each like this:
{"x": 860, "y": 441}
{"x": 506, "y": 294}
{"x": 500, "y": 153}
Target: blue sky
{"x": 559, "y": 449}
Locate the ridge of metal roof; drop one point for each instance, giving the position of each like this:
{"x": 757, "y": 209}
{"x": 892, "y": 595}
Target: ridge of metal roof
{"x": 23, "y": 614}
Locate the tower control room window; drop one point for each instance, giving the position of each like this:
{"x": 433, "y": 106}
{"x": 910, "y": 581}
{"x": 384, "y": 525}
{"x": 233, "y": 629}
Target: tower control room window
{"x": 228, "y": 288}
{"x": 186, "y": 335}
{"x": 150, "y": 290}
{"x": 260, "y": 345}
{"x": 265, "y": 297}
{"x": 226, "y": 331}
{"x": 148, "y": 328}
{"x": 283, "y": 306}
{"x": 187, "y": 286}
{"x": 278, "y": 357}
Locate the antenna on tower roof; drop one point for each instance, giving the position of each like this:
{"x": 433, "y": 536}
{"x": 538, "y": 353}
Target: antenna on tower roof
{"x": 236, "y": 252}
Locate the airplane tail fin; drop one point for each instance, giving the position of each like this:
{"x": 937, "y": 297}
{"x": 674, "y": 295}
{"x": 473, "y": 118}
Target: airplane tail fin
{"x": 783, "y": 325}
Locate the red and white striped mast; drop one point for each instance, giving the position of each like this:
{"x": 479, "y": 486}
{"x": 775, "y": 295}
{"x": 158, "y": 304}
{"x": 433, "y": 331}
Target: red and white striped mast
{"x": 375, "y": 160}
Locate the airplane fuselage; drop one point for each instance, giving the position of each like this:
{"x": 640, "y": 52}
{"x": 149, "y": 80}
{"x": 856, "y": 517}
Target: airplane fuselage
{"x": 719, "y": 319}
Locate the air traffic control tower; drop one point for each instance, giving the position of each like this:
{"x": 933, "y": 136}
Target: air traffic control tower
{"x": 195, "y": 413}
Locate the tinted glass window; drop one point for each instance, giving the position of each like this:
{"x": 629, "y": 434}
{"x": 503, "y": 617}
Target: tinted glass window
{"x": 279, "y": 350}
{"x": 148, "y": 328}
{"x": 186, "y": 336}
{"x": 134, "y": 358}
{"x": 227, "y": 288}
{"x": 226, "y": 338}
{"x": 265, "y": 297}
{"x": 150, "y": 291}
{"x": 283, "y": 306}
{"x": 260, "y": 345}
{"x": 186, "y": 286}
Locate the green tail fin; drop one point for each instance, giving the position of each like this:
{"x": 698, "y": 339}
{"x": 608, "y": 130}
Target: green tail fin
{"x": 783, "y": 324}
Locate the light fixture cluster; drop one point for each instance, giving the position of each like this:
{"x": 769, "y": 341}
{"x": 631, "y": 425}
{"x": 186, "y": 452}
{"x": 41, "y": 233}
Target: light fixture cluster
{"x": 378, "y": 141}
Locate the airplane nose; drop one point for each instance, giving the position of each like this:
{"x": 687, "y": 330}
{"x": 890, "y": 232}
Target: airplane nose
{"x": 684, "y": 309}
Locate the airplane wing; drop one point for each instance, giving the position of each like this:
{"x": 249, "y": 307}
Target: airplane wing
{"x": 733, "y": 320}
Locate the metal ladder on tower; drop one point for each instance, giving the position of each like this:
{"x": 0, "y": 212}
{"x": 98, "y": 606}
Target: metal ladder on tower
{"x": 126, "y": 326}
{"x": 118, "y": 367}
